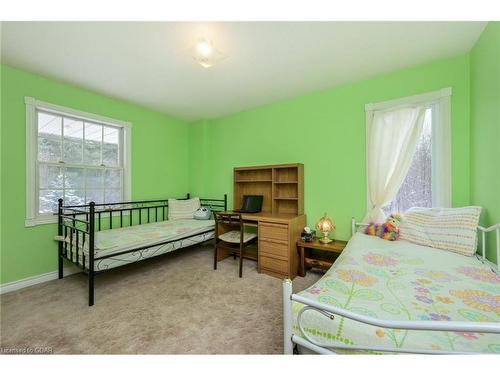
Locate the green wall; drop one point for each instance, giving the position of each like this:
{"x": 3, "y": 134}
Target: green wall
{"x": 485, "y": 127}
{"x": 199, "y": 149}
{"x": 326, "y": 131}
{"x": 159, "y": 163}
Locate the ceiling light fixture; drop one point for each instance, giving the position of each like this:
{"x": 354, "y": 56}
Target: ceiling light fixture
{"x": 205, "y": 54}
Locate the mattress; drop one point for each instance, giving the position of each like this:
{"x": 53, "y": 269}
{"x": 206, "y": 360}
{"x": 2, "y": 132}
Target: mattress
{"x": 403, "y": 281}
{"x": 112, "y": 243}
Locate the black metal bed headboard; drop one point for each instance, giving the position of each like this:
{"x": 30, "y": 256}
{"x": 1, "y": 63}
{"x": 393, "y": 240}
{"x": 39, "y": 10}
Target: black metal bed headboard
{"x": 120, "y": 214}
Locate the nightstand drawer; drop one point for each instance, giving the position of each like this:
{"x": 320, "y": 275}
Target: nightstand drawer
{"x": 273, "y": 231}
{"x": 273, "y": 248}
{"x": 273, "y": 264}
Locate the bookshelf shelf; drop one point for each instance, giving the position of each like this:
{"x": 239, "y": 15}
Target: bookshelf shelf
{"x": 253, "y": 181}
{"x": 282, "y": 187}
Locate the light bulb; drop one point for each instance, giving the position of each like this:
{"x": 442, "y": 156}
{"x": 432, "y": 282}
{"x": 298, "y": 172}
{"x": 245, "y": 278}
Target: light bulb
{"x": 205, "y": 54}
{"x": 204, "y": 48}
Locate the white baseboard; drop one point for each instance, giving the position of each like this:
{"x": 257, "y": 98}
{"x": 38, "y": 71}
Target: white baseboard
{"x": 33, "y": 280}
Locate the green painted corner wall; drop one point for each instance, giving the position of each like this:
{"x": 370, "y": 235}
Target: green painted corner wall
{"x": 326, "y": 131}
{"x": 160, "y": 162}
{"x": 199, "y": 149}
{"x": 485, "y": 127}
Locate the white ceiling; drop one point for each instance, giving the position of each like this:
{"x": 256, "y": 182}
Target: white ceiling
{"x": 149, "y": 63}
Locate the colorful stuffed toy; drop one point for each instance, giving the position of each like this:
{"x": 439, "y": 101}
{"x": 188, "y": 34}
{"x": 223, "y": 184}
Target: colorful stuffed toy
{"x": 388, "y": 230}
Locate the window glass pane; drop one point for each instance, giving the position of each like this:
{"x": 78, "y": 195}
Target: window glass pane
{"x": 73, "y": 140}
{"x": 49, "y": 149}
{"x": 49, "y": 137}
{"x": 92, "y": 144}
{"x": 50, "y": 177}
{"x": 74, "y": 178}
{"x": 113, "y": 196}
{"x": 74, "y": 197}
{"x": 112, "y": 178}
{"x": 416, "y": 190}
{"x": 95, "y": 178}
{"x": 110, "y": 146}
{"x": 93, "y": 132}
{"x": 49, "y": 125}
{"x": 96, "y": 196}
{"x": 48, "y": 200}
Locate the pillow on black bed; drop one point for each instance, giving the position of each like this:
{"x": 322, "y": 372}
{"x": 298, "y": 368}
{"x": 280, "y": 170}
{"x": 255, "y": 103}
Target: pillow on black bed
{"x": 182, "y": 208}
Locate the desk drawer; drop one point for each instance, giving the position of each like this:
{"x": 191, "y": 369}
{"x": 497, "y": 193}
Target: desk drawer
{"x": 273, "y": 264}
{"x": 273, "y": 231}
{"x": 273, "y": 248}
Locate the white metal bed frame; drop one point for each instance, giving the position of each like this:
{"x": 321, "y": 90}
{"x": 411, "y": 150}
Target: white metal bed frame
{"x": 290, "y": 339}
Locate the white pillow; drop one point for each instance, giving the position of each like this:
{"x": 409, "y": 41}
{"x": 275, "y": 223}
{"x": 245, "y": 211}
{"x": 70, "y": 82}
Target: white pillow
{"x": 452, "y": 229}
{"x": 182, "y": 209}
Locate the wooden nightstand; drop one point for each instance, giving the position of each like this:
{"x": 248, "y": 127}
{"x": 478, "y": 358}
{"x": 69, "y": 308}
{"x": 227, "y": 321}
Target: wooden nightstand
{"x": 335, "y": 246}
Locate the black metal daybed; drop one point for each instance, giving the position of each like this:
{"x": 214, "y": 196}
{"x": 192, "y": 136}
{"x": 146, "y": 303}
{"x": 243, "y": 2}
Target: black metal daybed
{"x": 78, "y": 227}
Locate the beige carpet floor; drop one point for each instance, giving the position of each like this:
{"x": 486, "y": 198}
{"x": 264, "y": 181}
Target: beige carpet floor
{"x": 172, "y": 304}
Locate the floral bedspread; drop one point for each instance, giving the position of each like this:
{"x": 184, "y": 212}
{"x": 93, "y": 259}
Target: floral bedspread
{"x": 121, "y": 239}
{"x": 402, "y": 281}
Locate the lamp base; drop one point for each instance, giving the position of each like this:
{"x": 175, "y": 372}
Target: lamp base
{"x": 325, "y": 240}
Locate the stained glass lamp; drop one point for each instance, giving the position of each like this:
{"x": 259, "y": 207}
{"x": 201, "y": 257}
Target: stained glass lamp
{"x": 325, "y": 225}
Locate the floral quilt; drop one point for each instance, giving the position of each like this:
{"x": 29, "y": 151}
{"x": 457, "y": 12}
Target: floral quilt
{"x": 121, "y": 239}
{"x": 402, "y": 281}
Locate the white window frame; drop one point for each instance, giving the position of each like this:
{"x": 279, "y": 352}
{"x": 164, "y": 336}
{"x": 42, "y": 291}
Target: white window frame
{"x": 440, "y": 101}
{"x": 33, "y": 105}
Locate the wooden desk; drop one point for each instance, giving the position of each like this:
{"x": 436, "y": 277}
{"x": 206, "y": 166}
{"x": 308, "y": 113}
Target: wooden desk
{"x": 336, "y": 247}
{"x": 277, "y": 233}
{"x": 267, "y": 216}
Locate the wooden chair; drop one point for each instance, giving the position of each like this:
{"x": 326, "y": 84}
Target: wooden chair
{"x": 233, "y": 238}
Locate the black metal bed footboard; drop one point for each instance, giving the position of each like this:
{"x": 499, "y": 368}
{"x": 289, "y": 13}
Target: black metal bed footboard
{"x": 77, "y": 226}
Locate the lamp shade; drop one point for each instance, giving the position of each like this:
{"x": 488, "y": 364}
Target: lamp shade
{"x": 325, "y": 224}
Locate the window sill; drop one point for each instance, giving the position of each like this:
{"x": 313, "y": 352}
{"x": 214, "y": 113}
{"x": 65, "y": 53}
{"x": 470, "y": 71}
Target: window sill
{"x": 41, "y": 220}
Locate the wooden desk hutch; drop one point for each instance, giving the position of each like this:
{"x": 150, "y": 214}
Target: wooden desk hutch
{"x": 282, "y": 217}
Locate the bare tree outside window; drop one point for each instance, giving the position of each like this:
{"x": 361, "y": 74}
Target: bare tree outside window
{"x": 416, "y": 190}
{"x": 78, "y": 161}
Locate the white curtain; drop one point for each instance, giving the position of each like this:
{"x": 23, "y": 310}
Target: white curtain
{"x": 392, "y": 138}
